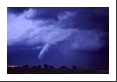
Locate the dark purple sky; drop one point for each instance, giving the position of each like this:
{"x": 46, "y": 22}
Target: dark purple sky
{"x": 58, "y": 36}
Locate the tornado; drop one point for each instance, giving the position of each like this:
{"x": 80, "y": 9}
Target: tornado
{"x": 43, "y": 51}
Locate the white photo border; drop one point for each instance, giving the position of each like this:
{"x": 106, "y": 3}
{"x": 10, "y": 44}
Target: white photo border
{"x": 57, "y": 3}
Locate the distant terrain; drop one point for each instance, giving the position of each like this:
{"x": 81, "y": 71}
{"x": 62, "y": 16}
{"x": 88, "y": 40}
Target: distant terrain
{"x": 52, "y": 70}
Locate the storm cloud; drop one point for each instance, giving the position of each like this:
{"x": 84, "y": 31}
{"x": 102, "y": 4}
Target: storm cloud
{"x": 67, "y": 30}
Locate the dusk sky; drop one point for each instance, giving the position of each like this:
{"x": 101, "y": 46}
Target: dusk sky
{"x": 58, "y": 36}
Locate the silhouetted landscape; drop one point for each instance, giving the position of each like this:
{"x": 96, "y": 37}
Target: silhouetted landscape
{"x": 51, "y": 70}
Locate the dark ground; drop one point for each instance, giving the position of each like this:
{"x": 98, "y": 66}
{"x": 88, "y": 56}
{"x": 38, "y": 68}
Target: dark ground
{"x": 34, "y": 70}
